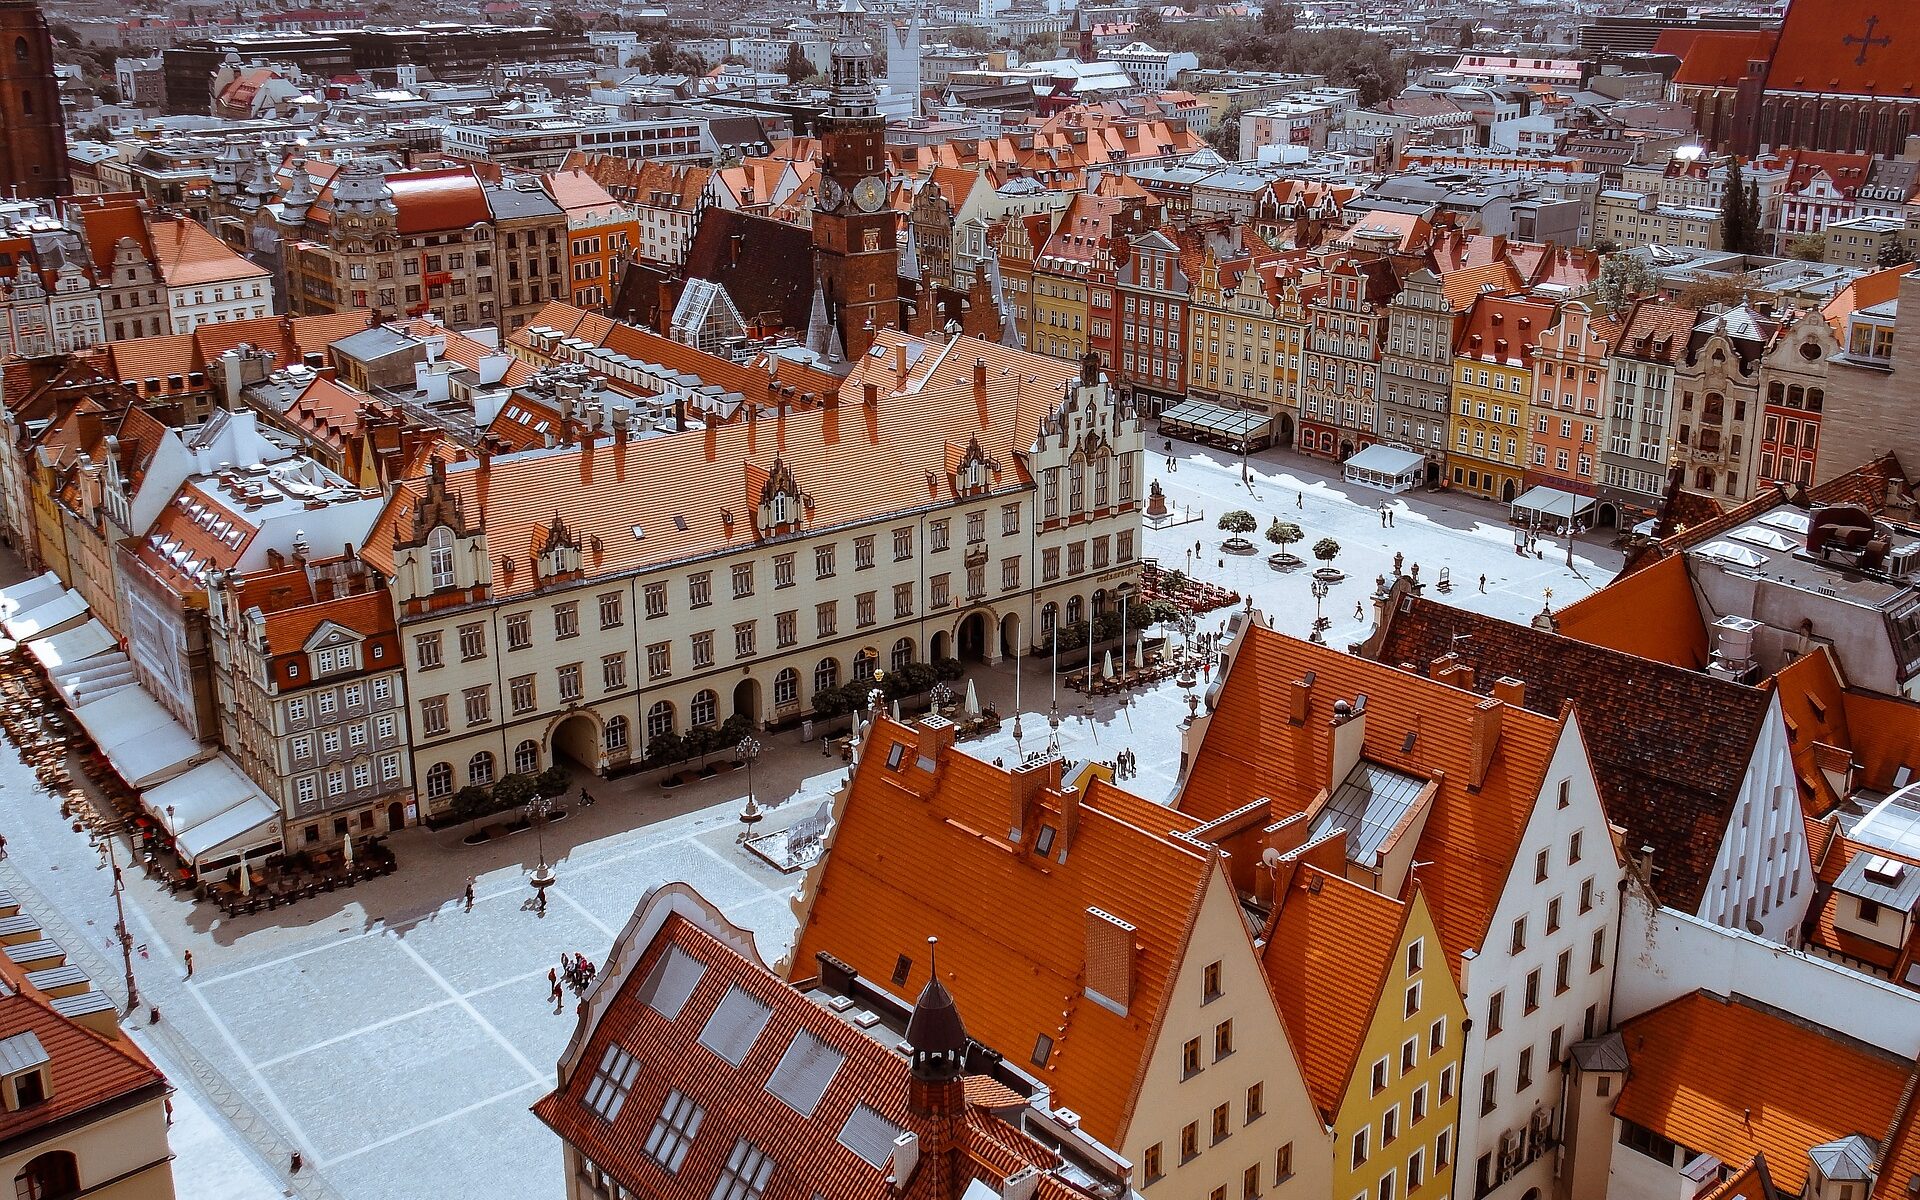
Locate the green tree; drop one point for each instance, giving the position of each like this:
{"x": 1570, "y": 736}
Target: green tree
{"x": 1736, "y": 234}
{"x": 1224, "y": 137}
{"x": 1172, "y": 583}
{"x": 514, "y": 790}
{"x": 1238, "y": 523}
{"x": 1807, "y": 247}
{"x": 796, "y": 67}
{"x": 553, "y": 781}
{"x": 1894, "y": 252}
{"x": 566, "y": 22}
{"x": 1623, "y": 277}
{"x": 1284, "y": 534}
{"x": 1326, "y": 550}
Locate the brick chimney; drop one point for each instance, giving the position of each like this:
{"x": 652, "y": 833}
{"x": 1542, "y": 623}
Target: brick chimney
{"x": 1109, "y": 967}
{"x": 1300, "y": 699}
{"x": 1509, "y": 690}
{"x": 1349, "y": 731}
{"x": 1486, "y": 735}
{"x": 935, "y": 737}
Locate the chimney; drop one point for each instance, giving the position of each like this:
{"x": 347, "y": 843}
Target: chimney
{"x": 900, "y": 362}
{"x": 1300, "y": 699}
{"x": 905, "y": 1157}
{"x": 1026, "y": 782}
{"x": 980, "y": 380}
{"x": 870, "y": 394}
{"x": 1021, "y": 1185}
{"x": 622, "y": 419}
{"x": 1509, "y": 690}
{"x": 1109, "y": 968}
{"x": 1486, "y": 735}
{"x": 1349, "y": 726}
{"x": 936, "y": 737}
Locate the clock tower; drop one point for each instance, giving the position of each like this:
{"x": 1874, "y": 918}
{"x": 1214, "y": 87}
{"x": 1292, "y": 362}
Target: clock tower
{"x": 855, "y": 232}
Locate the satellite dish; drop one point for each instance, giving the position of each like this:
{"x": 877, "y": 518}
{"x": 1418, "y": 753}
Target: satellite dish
{"x": 1756, "y": 928}
{"x": 1270, "y": 857}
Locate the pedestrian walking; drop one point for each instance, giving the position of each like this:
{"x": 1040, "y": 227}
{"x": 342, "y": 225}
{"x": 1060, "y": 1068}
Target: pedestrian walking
{"x": 1390, "y": 516}
{"x": 540, "y": 906}
{"x": 189, "y": 958}
{"x": 586, "y": 798}
{"x": 1483, "y": 583}
{"x": 469, "y": 893}
{"x": 553, "y": 986}
{"x": 1359, "y": 612}
{"x": 1299, "y": 499}
{"x": 1383, "y": 516}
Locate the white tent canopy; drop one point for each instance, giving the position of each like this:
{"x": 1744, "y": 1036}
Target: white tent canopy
{"x": 76, "y": 645}
{"x": 1553, "y": 504}
{"x": 1385, "y": 468}
{"x": 53, "y": 616}
{"x": 214, "y": 810}
{"x": 29, "y": 593}
{"x": 139, "y": 737}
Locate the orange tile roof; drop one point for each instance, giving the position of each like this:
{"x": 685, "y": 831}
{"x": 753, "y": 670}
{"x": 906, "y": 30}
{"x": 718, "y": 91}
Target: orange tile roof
{"x": 1813, "y": 701}
{"x": 855, "y": 462}
{"x": 432, "y": 201}
{"x": 187, "y": 256}
{"x": 1650, "y": 613}
{"x": 1810, "y": 57}
{"x": 918, "y": 854}
{"x": 1327, "y": 957}
{"x": 1749, "y": 1182}
{"x": 1252, "y": 749}
{"x": 89, "y": 1071}
{"x": 1719, "y": 57}
{"x": 1734, "y": 1080}
{"x": 1461, "y": 288}
{"x": 328, "y": 412}
{"x": 1864, "y": 291}
{"x": 105, "y": 224}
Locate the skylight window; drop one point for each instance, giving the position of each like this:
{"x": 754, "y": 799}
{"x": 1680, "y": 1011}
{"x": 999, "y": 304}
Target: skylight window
{"x": 607, "y": 1094}
{"x": 674, "y": 1131}
{"x": 805, "y": 1072}
{"x": 1770, "y": 538}
{"x": 745, "y": 1175}
{"x": 1733, "y": 555}
{"x": 735, "y": 1025}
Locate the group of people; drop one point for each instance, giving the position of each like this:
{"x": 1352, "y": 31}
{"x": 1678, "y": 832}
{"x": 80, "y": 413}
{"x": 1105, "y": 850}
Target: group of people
{"x": 574, "y": 971}
{"x": 1126, "y": 765}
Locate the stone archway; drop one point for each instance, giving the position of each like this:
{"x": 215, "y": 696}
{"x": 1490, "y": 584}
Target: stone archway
{"x": 575, "y": 738}
{"x": 746, "y": 699}
{"x": 1506, "y": 492}
{"x": 1010, "y": 628}
{"x": 1607, "y": 517}
{"x": 971, "y": 639}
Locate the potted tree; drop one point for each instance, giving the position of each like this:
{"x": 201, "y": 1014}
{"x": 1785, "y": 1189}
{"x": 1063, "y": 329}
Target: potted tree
{"x": 1237, "y": 524}
{"x": 1326, "y": 550}
{"x": 1283, "y": 534}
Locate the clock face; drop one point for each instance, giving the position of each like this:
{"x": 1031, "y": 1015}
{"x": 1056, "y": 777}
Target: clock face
{"x": 831, "y": 195}
{"x": 869, "y": 194}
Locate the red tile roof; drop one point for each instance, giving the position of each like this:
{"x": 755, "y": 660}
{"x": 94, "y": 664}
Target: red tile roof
{"x": 1252, "y": 749}
{"x": 188, "y": 256}
{"x": 1821, "y": 49}
{"x": 920, "y": 853}
{"x": 1718, "y": 58}
{"x": 1733, "y": 1079}
{"x": 1671, "y": 745}
{"x": 89, "y": 1071}
{"x": 433, "y": 201}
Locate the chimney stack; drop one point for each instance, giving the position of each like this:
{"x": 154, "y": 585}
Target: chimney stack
{"x": 1300, "y": 699}
{"x": 1486, "y": 735}
{"x": 1349, "y": 730}
{"x": 1509, "y": 690}
{"x": 1109, "y": 967}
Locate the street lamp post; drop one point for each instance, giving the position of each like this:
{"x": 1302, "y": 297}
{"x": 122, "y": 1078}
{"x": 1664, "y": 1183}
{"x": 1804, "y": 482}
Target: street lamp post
{"x": 120, "y": 929}
{"x": 537, "y": 810}
{"x": 746, "y": 752}
{"x": 1320, "y": 588}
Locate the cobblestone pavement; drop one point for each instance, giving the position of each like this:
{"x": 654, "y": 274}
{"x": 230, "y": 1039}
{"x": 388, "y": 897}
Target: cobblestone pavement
{"x": 395, "y": 1039}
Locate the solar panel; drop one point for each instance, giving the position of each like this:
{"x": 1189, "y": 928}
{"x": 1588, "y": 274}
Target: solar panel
{"x": 805, "y": 1073}
{"x": 672, "y": 980}
{"x": 736, "y": 1022}
{"x": 869, "y": 1135}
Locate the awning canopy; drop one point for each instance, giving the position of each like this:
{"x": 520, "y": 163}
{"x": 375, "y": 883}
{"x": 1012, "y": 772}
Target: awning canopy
{"x": 139, "y": 737}
{"x": 1218, "y": 419}
{"x": 1552, "y": 502}
{"x": 1386, "y": 460}
{"x": 53, "y": 616}
{"x": 214, "y": 810}
{"x": 76, "y": 645}
{"x": 17, "y": 598}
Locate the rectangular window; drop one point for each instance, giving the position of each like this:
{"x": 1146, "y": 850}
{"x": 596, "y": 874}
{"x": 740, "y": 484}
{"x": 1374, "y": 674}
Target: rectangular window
{"x": 1210, "y": 983}
{"x": 1496, "y": 1013}
{"x": 1009, "y": 518}
{"x": 1446, "y": 1084}
{"x": 1573, "y": 848}
{"x": 1563, "y": 973}
{"x": 520, "y": 693}
{"x": 519, "y": 631}
{"x": 902, "y": 544}
{"x": 1250, "y": 1183}
{"x": 1222, "y": 1040}
{"x": 1359, "y": 1149}
{"x": 566, "y": 620}
{"x": 823, "y": 562}
{"x": 742, "y": 580}
{"x": 1150, "y": 1163}
{"x": 1489, "y": 1092}
{"x": 613, "y": 671}
{"x": 700, "y": 589}
{"x": 1189, "y": 1141}
{"x": 1533, "y": 990}
{"x": 826, "y": 618}
{"x": 659, "y": 659}
{"x": 1256, "y": 1104}
{"x": 1222, "y": 1119}
{"x": 1597, "y": 956}
{"x": 863, "y": 552}
{"x": 786, "y": 628}
{"x": 473, "y": 642}
{"x": 426, "y": 650}
{"x": 1390, "y": 1126}
{"x": 1283, "y": 1164}
{"x": 478, "y": 704}
{"x": 1526, "y": 1069}
{"x": 612, "y": 611}
{"x": 1190, "y": 1058}
{"x": 976, "y": 527}
{"x": 783, "y": 571}
{"x": 863, "y": 609}
{"x": 902, "y": 599}
{"x": 939, "y": 591}
{"x": 937, "y": 535}
{"x": 1518, "y": 941}
{"x": 745, "y": 1175}
{"x": 1417, "y": 1107}
{"x": 1050, "y": 564}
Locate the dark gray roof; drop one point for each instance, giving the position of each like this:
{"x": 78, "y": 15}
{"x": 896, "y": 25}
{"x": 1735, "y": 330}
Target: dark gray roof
{"x": 513, "y": 204}
{"x": 1880, "y": 879}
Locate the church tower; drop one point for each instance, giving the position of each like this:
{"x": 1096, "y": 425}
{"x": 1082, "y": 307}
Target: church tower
{"x": 33, "y": 136}
{"x": 855, "y": 238}
{"x": 937, "y": 1085}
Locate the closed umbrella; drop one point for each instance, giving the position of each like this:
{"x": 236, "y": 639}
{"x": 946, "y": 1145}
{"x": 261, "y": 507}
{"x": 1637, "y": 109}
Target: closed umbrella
{"x": 349, "y": 852}
{"x": 246, "y": 878}
{"x": 1106, "y": 664}
{"x": 973, "y": 700}
{"x": 896, "y": 710}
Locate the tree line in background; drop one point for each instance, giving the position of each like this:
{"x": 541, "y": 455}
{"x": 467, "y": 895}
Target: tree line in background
{"x": 1275, "y": 42}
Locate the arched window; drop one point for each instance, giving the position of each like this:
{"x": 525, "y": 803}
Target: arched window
{"x": 1776, "y": 392}
{"x": 786, "y": 687}
{"x": 902, "y": 654}
{"x": 1073, "y": 611}
{"x": 51, "y": 1176}
{"x": 1049, "y": 618}
{"x": 616, "y": 733}
{"x": 864, "y": 663}
{"x": 659, "y": 720}
{"x": 480, "y": 768}
{"x": 1816, "y": 399}
{"x": 1795, "y": 396}
{"x": 526, "y": 757}
{"x": 826, "y": 675}
{"x": 704, "y": 710}
{"x": 440, "y": 558}
{"x": 439, "y": 781}
{"x": 21, "y": 50}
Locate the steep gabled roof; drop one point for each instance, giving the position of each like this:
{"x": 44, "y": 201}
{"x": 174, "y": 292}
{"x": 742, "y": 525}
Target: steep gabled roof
{"x": 1676, "y": 741}
{"x": 1252, "y": 749}
{"x": 1327, "y": 958}
{"x": 91, "y": 1074}
{"x": 919, "y": 853}
{"x": 1733, "y": 1079}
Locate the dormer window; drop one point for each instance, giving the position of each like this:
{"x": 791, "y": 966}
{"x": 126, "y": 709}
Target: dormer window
{"x": 24, "y": 1063}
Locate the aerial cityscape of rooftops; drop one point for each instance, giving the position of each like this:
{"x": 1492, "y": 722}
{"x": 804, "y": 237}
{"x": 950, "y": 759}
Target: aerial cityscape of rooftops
{"x": 1019, "y": 600}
